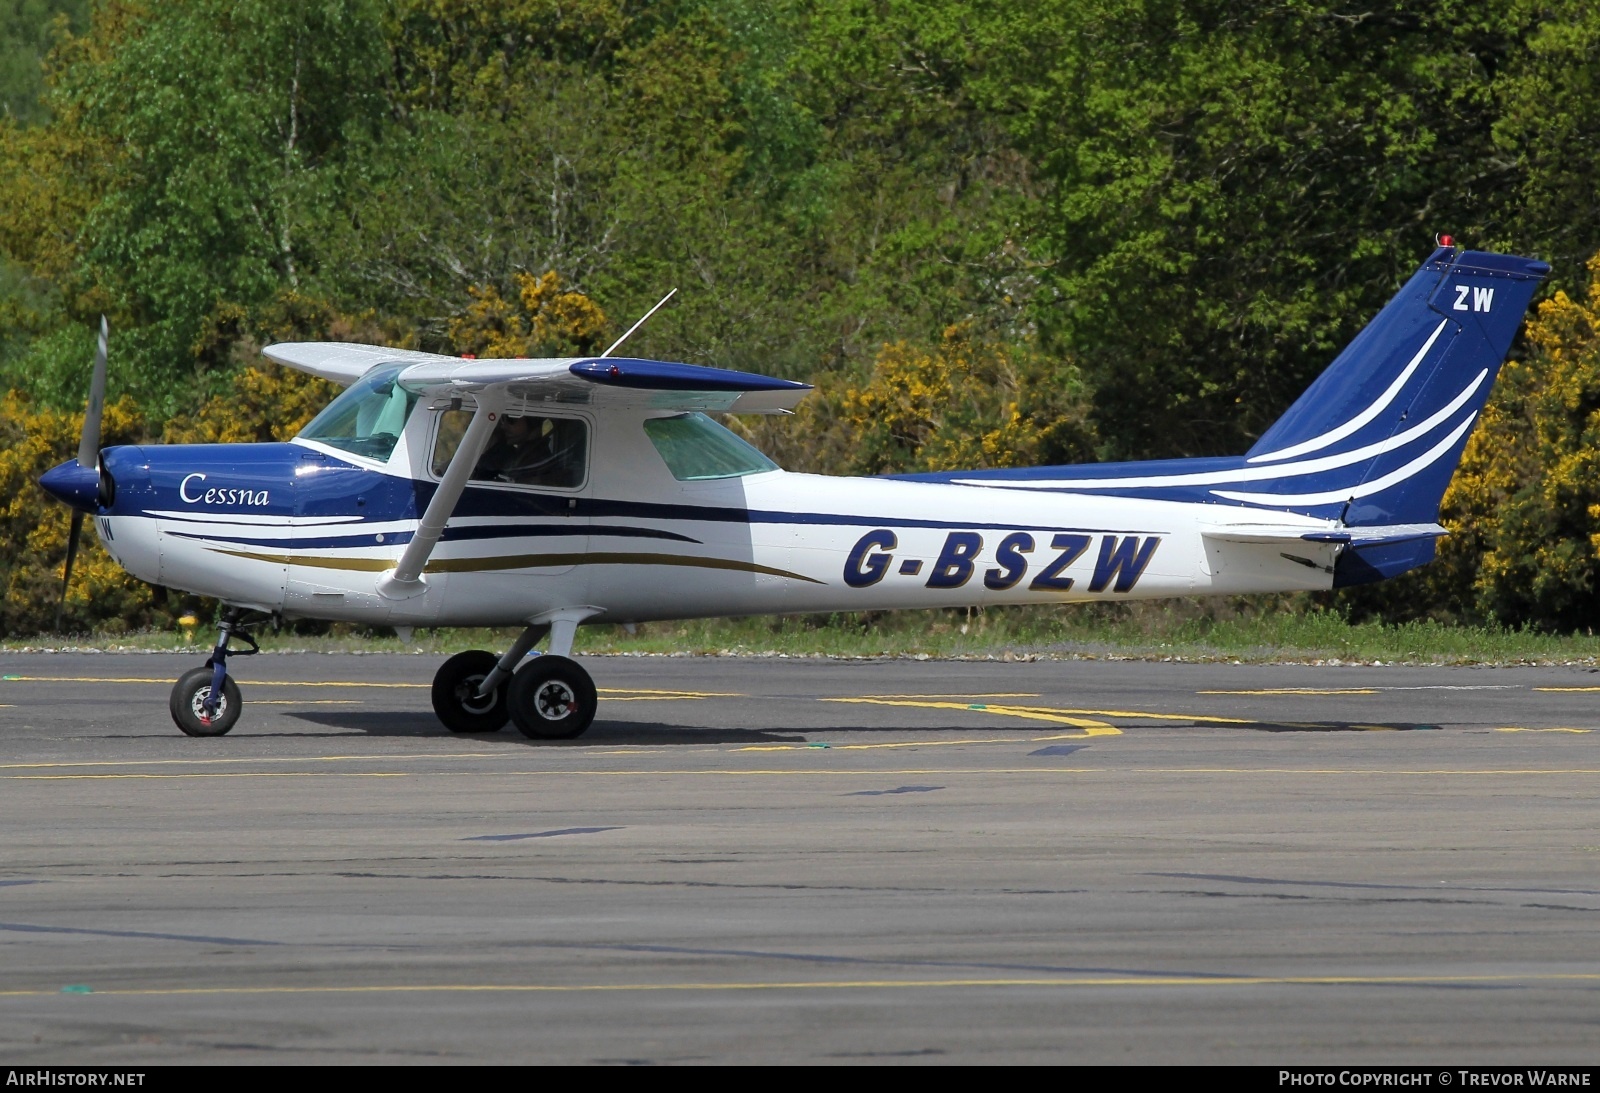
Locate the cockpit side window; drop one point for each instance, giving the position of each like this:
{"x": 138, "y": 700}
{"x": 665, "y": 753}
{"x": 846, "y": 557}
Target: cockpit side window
{"x": 524, "y": 450}
{"x": 368, "y": 417}
{"x": 696, "y": 448}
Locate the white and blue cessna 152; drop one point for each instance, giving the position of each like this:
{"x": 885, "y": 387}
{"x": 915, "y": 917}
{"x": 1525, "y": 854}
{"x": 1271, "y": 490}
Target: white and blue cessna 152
{"x": 443, "y": 491}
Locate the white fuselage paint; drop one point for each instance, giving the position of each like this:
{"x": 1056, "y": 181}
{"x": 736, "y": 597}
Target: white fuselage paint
{"x": 632, "y": 550}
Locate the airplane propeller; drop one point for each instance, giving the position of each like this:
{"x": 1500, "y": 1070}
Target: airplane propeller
{"x": 79, "y": 484}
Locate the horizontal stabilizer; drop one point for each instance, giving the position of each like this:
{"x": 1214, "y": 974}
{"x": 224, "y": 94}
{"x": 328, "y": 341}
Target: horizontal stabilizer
{"x": 1274, "y": 533}
{"x": 1336, "y": 533}
{"x": 1394, "y": 533}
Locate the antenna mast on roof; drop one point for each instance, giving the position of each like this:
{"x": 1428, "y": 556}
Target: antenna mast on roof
{"x": 638, "y": 324}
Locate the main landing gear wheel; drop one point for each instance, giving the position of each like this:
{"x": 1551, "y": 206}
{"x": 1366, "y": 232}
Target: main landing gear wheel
{"x": 551, "y": 698}
{"x": 188, "y": 699}
{"x": 455, "y": 699}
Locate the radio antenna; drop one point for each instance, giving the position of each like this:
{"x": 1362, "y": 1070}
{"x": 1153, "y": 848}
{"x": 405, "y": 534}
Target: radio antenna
{"x": 638, "y": 324}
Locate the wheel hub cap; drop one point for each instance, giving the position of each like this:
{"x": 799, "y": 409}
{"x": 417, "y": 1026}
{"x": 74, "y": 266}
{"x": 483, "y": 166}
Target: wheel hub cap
{"x": 197, "y": 703}
{"x": 467, "y": 695}
{"x": 555, "y": 701}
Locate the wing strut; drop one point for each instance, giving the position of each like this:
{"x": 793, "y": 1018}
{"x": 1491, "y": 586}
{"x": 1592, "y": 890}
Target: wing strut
{"x": 405, "y": 579}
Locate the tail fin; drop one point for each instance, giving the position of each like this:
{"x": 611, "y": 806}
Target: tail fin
{"x": 1381, "y": 431}
{"x": 1371, "y": 445}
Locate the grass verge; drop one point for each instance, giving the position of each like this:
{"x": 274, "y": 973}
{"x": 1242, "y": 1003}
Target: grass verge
{"x": 1256, "y": 630}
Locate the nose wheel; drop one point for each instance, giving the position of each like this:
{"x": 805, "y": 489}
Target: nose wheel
{"x": 205, "y": 701}
{"x": 551, "y": 698}
{"x": 188, "y": 704}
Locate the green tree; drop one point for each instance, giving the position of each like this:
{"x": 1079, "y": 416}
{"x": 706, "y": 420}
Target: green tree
{"x": 1234, "y": 191}
{"x": 1548, "y": 126}
{"x": 27, "y": 31}
{"x": 970, "y": 401}
{"x": 597, "y": 140}
{"x": 218, "y": 130}
{"x": 33, "y": 529}
{"x": 1525, "y": 504}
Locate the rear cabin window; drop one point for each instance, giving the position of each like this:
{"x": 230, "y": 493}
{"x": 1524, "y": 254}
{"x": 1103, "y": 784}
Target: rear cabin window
{"x": 695, "y": 448}
{"x": 368, "y": 418}
{"x": 524, "y": 450}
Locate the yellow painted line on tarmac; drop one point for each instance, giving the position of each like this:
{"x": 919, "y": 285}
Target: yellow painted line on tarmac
{"x": 914, "y": 743}
{"x": 1090, "y": 728}
{"x": 1298, "y": 691}
{"x": 82, "y": 679}
{"x": 1148, "y": 715}
{"x": 1032, "y": 982}
{"x": 895, "y": 744}
{"x": 249, "y": 683}
{"x": 1567, "y": 689}
{"x": 1008, "y": 694}
{"x": 1519, "y": 728}
{"x": 618, "y": 694}
{"x": 945, "y": 772}
{"x": 660, "y": 691}
{"x": 222, "y": 774}
{"x": 1068, "y": 716}
{"x": 811, "y": 773}
{"x": 305, "y": 702}
{"x": 1451, "y": 772}
{"x": 259, "y": 759}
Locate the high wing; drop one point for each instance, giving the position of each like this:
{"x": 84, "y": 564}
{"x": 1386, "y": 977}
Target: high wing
{"x": 343, "y": 362}
{"x": 495, "y": 385}
{"x": 597, "y": 381}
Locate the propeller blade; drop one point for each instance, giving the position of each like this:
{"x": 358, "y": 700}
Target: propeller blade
{"x": 89, "y": 445}
{"x": 66, "y": 572}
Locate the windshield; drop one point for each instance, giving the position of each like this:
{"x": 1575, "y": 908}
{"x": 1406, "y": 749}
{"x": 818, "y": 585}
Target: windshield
{"x": 368, "y": 418}
{"x": 695, "y": 447}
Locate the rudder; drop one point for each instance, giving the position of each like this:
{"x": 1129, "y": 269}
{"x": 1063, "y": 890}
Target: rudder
{"x": 1380, "y": 432}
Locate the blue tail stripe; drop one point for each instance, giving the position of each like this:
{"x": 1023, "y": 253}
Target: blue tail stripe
{"x": 1375, "y": 439}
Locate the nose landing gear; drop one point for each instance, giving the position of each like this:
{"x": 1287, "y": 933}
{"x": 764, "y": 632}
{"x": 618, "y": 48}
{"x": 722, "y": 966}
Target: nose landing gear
{"x": 205, "y": 701}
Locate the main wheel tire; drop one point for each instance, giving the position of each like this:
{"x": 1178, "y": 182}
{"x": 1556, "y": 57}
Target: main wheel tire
{"x": 551, "y": 698}
{"x": 453, "y": 698}
{"x": 187, "y": 704}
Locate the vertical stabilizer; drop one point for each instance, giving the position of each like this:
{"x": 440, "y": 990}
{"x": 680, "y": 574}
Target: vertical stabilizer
{"x": 1373, "y": 441}
{"x": 1382, "y": 429}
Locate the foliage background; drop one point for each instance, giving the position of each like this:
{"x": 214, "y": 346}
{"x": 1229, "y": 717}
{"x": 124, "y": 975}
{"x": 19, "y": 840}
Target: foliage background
{"x": 993, "y": 234}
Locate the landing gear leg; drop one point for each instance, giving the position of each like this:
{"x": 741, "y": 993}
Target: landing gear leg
{"x": 205, "y": 701}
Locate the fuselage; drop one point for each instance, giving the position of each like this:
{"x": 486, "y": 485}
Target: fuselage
{"x": 306, "y": 528}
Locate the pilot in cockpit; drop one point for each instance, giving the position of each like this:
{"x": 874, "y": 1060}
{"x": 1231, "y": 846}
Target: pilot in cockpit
{"x": 533, "y": 451}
